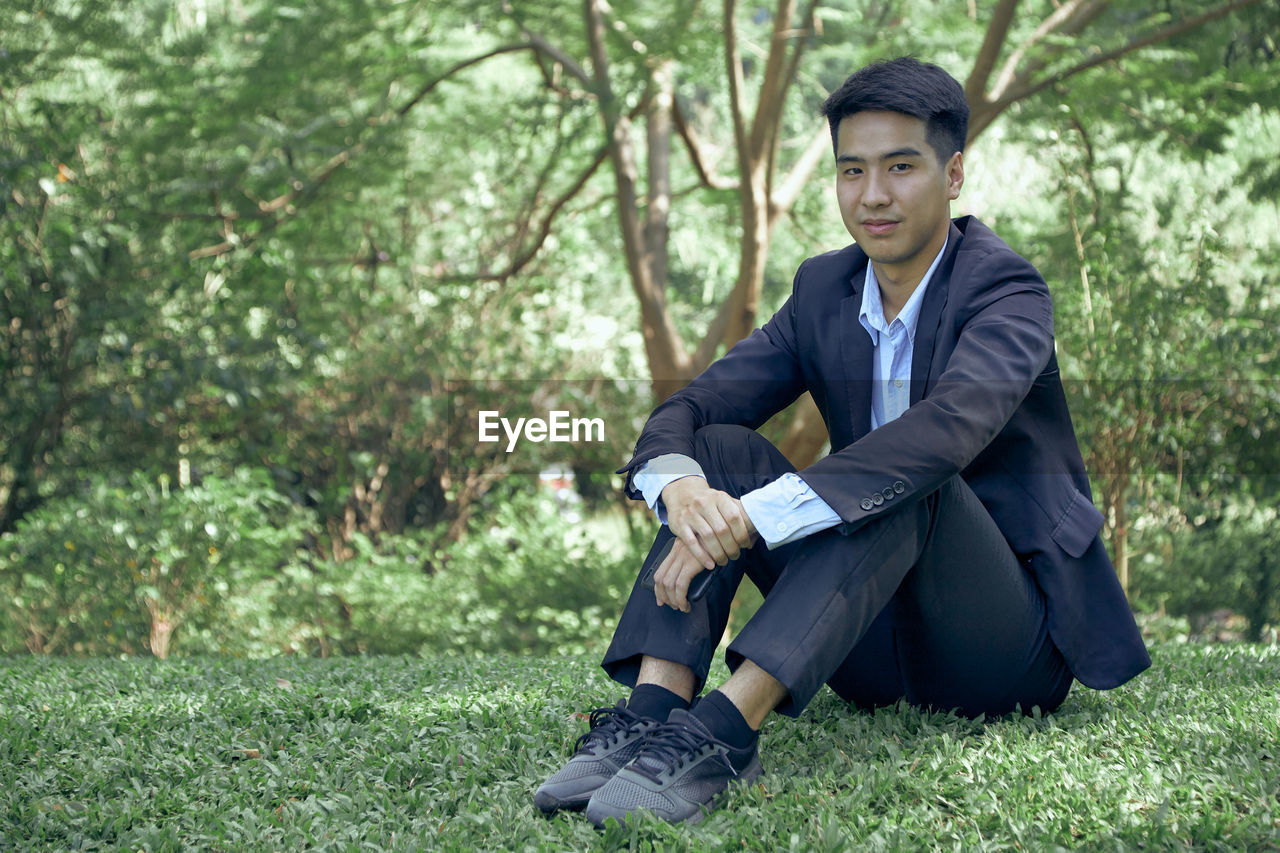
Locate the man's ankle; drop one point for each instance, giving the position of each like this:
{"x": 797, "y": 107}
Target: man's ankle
{"x": 725, "y": 721}
{"x": 654, "y": 701}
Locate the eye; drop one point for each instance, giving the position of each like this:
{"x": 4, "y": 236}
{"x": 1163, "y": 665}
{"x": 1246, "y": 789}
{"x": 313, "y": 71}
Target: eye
{"x": 900, "y": 167}
{"x": 852, "y": 171}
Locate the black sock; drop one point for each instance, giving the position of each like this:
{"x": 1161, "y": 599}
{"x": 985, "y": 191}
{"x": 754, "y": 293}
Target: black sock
{"x": 725, "y": 721}
{"x": 654, "y": 701}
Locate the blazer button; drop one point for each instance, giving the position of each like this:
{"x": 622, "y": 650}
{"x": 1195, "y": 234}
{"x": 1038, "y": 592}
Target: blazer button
{"x": 877, "y": 499}
{"x": 867, "y": 504}
{"x": 899, "y": 487}
{"x": 889, "y": 494}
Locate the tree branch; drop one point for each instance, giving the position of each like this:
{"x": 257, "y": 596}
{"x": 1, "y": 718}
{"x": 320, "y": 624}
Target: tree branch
{"x": 1162, "y": 34}
{"x": 342, "y": 158}
{"x": 668, "y": 359}
{"x": 800, "y": 173}
{"x": 789, "y": 78}
{"x": 1087, "y": 10}
{"x": 658, "y": 123}
{"x": 697, "y": 156}
{"x": 466, "y": 63}
{"x": 997, "y": 32}
{"x": 541, "y": 45}
{"x": 774, "y": 86}
{"x": 733, "y": 62}
{"x": 279, "y": 203}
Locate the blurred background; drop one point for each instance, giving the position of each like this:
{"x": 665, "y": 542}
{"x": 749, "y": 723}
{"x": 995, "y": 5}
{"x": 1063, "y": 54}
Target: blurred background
{"x": 261, "y": 265}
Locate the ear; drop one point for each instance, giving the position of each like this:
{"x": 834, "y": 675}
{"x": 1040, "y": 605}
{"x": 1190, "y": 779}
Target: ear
{"x": 955, "y": 175}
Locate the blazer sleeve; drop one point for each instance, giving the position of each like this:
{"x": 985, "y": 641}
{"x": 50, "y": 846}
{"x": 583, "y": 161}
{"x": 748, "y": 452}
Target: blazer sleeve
{"x": 757, "y": 378}
{"x": 1004, "y": 343}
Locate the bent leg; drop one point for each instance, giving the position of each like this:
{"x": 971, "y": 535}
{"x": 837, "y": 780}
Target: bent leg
{"x": 927, "y": 602}
{"x": 967, "y": 629}
{"x": 970, "y": 622}
{"x": 736, "y": 460}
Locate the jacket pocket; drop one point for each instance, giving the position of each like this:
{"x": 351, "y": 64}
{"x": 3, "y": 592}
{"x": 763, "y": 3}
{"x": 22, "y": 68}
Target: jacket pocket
{"x": 1079, "y": 524}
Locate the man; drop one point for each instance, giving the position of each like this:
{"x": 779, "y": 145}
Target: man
{"x": 947, "y": 550}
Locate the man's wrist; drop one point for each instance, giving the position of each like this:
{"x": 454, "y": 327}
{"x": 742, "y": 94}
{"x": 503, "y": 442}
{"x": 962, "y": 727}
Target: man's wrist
{"x": 655, "y": 475}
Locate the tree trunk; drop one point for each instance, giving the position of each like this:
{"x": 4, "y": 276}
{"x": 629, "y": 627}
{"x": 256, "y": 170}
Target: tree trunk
{"x": 753, "y": 203}
{"x": 1118, "y": 520}
{"x": 163, "y": 625}
{"x": 806, "y": 434}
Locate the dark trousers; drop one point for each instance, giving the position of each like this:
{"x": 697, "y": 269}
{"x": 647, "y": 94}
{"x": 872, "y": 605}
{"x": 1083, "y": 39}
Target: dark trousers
{"x": 926, "y": 602}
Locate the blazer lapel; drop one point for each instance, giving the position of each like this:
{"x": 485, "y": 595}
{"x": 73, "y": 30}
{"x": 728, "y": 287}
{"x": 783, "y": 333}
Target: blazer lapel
{"x": 935, "y": 299}
{"x": 855, "y": 346}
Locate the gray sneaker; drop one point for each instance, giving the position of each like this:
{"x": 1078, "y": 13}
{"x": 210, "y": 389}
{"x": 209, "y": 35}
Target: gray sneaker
{"x": 678, "y": 773}
{"x": 615, "y": 736}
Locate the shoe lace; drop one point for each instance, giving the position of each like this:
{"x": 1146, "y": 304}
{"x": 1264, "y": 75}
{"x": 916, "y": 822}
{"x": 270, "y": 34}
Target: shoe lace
{"x": 607, "y": 726}
{"x": 670, "y": 747}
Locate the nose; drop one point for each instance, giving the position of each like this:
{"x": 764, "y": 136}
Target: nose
{"x": 875, "y": 191}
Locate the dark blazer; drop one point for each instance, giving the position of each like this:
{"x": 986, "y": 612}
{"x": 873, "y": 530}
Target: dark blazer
{"x": 986, "y": 403}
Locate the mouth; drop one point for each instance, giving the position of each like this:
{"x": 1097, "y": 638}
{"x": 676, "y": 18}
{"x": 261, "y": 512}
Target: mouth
{"x": 880, "y": 227}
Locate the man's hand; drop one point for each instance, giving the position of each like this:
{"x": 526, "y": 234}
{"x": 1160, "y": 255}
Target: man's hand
{"x": 711, "y": 528}
{"x": 671, "y": 580}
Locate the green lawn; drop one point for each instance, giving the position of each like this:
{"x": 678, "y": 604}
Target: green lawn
{"x": 393, "y": 753}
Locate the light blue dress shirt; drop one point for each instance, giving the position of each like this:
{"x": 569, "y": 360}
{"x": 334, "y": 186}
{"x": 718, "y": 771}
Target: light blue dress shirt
{"x": 787, "y": 509}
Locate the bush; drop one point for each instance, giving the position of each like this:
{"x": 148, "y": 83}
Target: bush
{"x": 525, "y": 579}
{"x": 528, "y": 580}
{"x": 1228, "y": 561}
{"x": 371, "y": 603}
{"x": 119, "y": 568}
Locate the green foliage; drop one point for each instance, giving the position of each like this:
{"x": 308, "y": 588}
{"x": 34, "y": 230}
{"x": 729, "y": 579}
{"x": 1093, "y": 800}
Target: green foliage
{"x": 1230, "y": 560}
{"x": 236, "y": 234}
{"x": 1166, "y": 321}
{"x": 119, "y": 568}
{"x": 443, "y": 753}
{"x": 526, "y": 580}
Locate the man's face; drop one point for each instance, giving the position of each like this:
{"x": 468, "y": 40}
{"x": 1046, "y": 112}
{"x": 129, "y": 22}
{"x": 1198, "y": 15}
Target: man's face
{"x": 894, "y": 195}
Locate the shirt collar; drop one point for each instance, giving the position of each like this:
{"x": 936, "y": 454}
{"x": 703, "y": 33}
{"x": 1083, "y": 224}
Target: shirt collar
{"x": 872, "y": 313}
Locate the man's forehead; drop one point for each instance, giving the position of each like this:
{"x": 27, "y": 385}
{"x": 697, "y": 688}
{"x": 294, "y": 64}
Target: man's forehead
{"x": 880, "y": 131}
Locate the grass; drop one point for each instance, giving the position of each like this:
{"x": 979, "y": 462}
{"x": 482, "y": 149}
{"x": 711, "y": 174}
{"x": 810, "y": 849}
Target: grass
{"x": 444, "y": 753}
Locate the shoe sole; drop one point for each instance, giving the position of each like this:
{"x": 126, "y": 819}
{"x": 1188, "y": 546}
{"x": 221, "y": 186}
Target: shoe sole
{"x": 548, "y": 804}
{"x": 746, "y": 777}
{"x": 742, "y": 780}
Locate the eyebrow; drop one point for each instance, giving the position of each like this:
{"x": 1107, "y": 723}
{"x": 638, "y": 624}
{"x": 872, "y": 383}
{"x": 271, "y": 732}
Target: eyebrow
{"x": 897, "y": 152}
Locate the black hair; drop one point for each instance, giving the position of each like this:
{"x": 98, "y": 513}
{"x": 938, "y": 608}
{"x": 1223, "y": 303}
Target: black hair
{"x": 911, "y": 87}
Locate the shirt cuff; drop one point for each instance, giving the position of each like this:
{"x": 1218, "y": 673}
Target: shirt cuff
{"x": 786, "y": 510}
{"x": 659, "y": 472}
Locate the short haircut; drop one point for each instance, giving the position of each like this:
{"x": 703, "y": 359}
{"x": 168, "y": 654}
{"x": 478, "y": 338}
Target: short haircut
{"x": 911, "y": 87}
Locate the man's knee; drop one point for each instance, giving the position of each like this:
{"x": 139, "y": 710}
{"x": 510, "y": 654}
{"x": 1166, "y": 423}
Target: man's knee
{"x": 736, "y": 459}
{"x": 714, "y": 439}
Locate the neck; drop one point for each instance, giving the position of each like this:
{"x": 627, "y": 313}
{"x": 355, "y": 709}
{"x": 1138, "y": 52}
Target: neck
{"x": 899, "y": 281}
{"x": 894, "y": 295}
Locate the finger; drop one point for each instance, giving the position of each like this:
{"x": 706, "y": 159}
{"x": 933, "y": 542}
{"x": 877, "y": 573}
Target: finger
{"x": 693, "y": 542}
{"x": 740, "y": 526}
{"x": 713, "y": 535}
{"x": 679, "y": 591}
{"x": 730, "y": 525}
{"x": 689, "y": 570}
{"x": 726, "y": 540}
{"x": 702, "y": 518}
{"x": 662, "y": 576}
{"x": 674, "y": 577}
